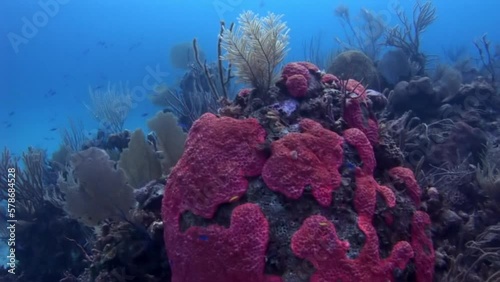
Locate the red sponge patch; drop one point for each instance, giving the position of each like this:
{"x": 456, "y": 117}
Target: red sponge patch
{"x": 214, "y": 253}
{"x": 312, "y": 158}
{"x": 220, "y": 153}
{"x": 297, "y": 85}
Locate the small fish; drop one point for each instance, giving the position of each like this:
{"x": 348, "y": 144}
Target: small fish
{"x": 234, "y": 198}
{"x": 11, "y": 113}
{"x": 203, "y": 237}
{"x": 144, "y": 114}
{"x": 53, "y": 129}
{"x": 98, "y": 87}
{"x": 9, "y": 125}
{"x": 86, "y": 51}
{"x": 50, "y": 93}
{"x": 350, "y": 165}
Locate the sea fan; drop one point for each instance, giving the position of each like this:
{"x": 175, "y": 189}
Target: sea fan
{"x": 256, "y": 47}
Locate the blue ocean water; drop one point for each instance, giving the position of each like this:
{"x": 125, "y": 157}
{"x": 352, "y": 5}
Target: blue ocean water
{"x": 53, "y": 51}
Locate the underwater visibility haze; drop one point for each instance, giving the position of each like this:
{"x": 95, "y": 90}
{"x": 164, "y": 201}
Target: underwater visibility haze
{"x": 249, "y": 141}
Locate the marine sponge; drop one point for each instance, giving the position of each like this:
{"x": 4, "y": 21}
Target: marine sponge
{"x": 308, "y": 196}
{"x": 240, "y": 249}
{"x": 220, "y": 153}
{"x": 312, "y": 158}
{"x": 317, "y": 241}
{"x": 297, "y": 85}
{"x": 297, "y": 77}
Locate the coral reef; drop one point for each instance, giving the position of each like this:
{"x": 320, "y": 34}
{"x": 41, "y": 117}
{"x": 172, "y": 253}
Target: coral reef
{"x": 94, "y": 189}
{"x": 305, "y": 176}
{"x": 47, "y": 241}
{"x": 228, "y": 190}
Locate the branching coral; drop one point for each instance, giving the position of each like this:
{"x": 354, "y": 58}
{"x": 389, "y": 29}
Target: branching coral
{"x": 488, "y": 60}
{"x": 33, "y": 189}
{"x": 414, "y": 137}
{"x": 193, "y": 100}
{"x": 481, "y": 256}
{"x": 110, "y": 107}
{"x": 218, "y": 82}
{"x": 256, "y": 48}
{"x": 407, "y": 35}
{"x": 487, "y": 176}
{"x": 368, "y": 38}
{"x": 74, "y": 137}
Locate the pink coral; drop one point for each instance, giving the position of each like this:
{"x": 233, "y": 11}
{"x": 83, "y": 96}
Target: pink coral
{"x": 240, "y": 249}
{"x": 366, "y": 198}
{"x": 330, "y": 79}
{"x": 406, "y": 176}
{"x": 297, "y": 77}
{"x": 356, "y": 138}
{"x": 296, "y": 85}
{"x": 312, "y": 157}
{"x": 317, "y": 241}
{"x": 220, "y": 153}
{"x": 245, "y": 92}
{"x": 357, "y": 117}
{"x": 294, "y": 69}
{"x": 353, "y": 86}
{"x": 422, "y": 246}
{"x": 312, "y": 68}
